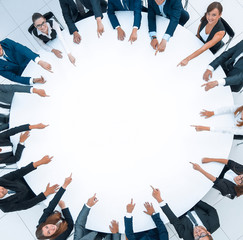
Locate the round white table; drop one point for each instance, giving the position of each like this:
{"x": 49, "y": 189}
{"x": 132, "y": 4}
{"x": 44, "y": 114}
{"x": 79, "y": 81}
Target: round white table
{"x": 120, "y": 122}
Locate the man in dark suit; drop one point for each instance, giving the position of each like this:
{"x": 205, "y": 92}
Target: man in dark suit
{"x": 232, "y": 64}
{"x": 74, "y": 11}
{"x": 14, "y": 58}
{"x": 6, "y": 97}
{"x": 16, "y": 195}
{"x": 125, "y": 5}
{"x": 158, "y": 233}
{"x": 198, "y": 223}
{"x": 6, "y": 150}
{"x": 81, "y": 233}
{"x": 171, "y": 9}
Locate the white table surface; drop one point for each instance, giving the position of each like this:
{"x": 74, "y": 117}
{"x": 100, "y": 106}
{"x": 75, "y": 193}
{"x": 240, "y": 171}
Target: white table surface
{"x": 120, "y": 122}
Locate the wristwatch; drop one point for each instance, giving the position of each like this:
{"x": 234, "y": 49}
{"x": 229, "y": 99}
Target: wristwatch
{"x": 154, "y": 37}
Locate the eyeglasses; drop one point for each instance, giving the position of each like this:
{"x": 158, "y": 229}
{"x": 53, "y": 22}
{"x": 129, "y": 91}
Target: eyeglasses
{"x": 241, "y": 180}
{"x": 40, "y": 25}
{"x": 201, "y": 236}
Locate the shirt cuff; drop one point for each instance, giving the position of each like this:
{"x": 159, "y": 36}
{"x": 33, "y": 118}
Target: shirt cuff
{"x": 31, "y": 80}
{"x": 135, "y": 27}
{"x": 128, "y": 215}
{"x": 118, "y": 26}
{"x": 210, "y": 68}
{"x": 37, "y": 59}
{"x": 166, "y": 37}
{"x": 221, "y": 82}
{"x": 151, "y": 34}
{"x": 22, "y": 143}
{"x": 31, "y": 90}
{"x": 87, "y": 205}
{"x": 162, "y": 204}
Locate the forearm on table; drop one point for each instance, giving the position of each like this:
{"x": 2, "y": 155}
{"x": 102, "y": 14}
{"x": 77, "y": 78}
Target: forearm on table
{"x": 207, "y": 175}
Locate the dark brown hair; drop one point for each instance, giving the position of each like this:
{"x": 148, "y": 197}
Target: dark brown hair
{"x": 237, "y": 111}
{"x": 210, "y": 237}
{"x": 211, "y": 7}
{"x": 52, "y": 219}
{"x": 239, "y": 190}
{"x": 36, "y": 16}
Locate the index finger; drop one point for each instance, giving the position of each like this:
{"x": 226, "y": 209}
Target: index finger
{"x": 193, "y": 125}
{"x": 152, "y": 187}
{"x": 178, "y": 64}
{"x": 132, "y": 201}
{"x": 204, "y": 85}
{"x": 191, "y": 163}
{"x": 51, "y": 158}
{"x": 71, "y": 175}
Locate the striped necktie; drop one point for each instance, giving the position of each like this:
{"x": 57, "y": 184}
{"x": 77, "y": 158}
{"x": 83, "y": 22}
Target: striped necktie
{"x": 192, "y": 218}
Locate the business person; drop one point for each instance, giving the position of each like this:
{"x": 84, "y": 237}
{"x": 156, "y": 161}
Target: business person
{"x": 6, "y": 147}
{"x": 171, "y": 9}
{"x": 81, "y": 233}
{"x": 232, "y": 63}
{"x": 51, "y": 224}
{"x": 210, "y": 31}
{"x": 6, "y": 95}
{"x": 158, "y": 233}
{"x": 15, "y": 194}
{"x": 198, "y": 223}
{"x": 125, "y": 5}
{"x": 76, "y": 10}
{"x": 230, "y": 181}
{"x": 14, "y": 58}
{"x": 235, "y": 110}
{"x": 47, "y": 30}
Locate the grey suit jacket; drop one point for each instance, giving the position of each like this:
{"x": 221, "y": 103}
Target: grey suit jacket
{"x": 7, "y": 92}
{"x": 81, "y": 233}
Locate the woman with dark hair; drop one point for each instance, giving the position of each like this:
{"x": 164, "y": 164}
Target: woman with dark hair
{"x": 51, "y": 224}
{"x": 230, "y": 181}
{"x": 237, "y": 130}
{"x": 47, "y": 30}
{"x": 210, "y": 31}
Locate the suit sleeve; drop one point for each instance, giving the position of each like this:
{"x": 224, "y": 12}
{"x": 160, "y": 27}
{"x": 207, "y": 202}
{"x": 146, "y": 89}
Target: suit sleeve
{"x": 116, "y": 236}
{"x": 53, "y": 203}
{"x": 96, "y": 8}
{"x": 112, "y": 16}
{"x": 14, "y": 158}
{"x": 236, "y": 167}
{"x": 137, "y": 13}
{"x": 163, "y": 234}
{"x": 23, "y": 50}
{"x": 174, "y": 220}
{"x": 68, "y": 217}
{"x": 67, "y": 17}
{"x": 12, "y": 88}
{"x": 151, "y": 17}
{"x": 15, "y": 130}
{"x": 79, "y": 229}
{"x": 176, "y": 8}
{"x": 15, "y": 78}
{"x": 129, "y": 228}
{"x": 234, "y": 80}
{"x": 19, "y": 173}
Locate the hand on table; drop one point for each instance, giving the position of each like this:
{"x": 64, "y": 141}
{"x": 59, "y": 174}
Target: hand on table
{"x": 199, "y": 128}
{"x": 45, "y": 160}
{"x": 154, "y": 43}
{"x": 100, "y": 27}
{"x": 45, "y": 65}
{"x": 130, "y": 206}
{"x": 51, "y": 190}
{"x": 38, "y": 126}
{"x": 161, "y": 46}
{"x": 206, "y": 114}
{"x": 76, "y": 37}
{"x": 149, "y": 208}
{"x": 156, "y": 194}
{"x": 40, "y": 92}
{"x": 210, "y": 85}
{"x": 114, "y": 227}
{"x": 24, "y": 136}
{"x": 57, "y": 53}
{"x": 207, "y": 75}
{"x": 92, "y": 201}
{"x": 184, "y": 62}
{"x": 196, "y": 166}
{"x": 133, "y": 36}
{"x": 71, "y": 58}
{"x": 120, "y": 34}
{"x": 39, "y": 80}
{"x": 67, "y": 181}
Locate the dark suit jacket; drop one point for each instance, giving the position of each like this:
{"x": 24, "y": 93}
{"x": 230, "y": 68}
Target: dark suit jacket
{"x": 234, "y": 73}
{"x": 133, "y": 5}
{"x": 81, "y": 233}
{"x": 8, "y": 157}
{"x": 207, "y": 214}
{"x": 20, "y": 200}
{"x": 19, "y": 56}
{"x": 70, "y": 11}
{"x": 172, "y": 10}
{"x": 50, "y": 210}
{"x": 158, "y": 233}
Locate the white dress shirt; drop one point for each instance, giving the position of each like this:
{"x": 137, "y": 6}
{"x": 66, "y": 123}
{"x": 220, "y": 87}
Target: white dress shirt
{"x": 230, "y": 175}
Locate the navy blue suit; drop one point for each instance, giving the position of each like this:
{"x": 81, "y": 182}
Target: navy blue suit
{"x": 18, "y": 58}
{"x": 158, "y": 233}
{"x": 116, "y": 5}
{"x": 172, "y": 9}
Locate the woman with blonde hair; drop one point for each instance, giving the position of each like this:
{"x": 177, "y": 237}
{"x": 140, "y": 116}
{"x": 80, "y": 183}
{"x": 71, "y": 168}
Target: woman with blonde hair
{"x": 51, "y": 224}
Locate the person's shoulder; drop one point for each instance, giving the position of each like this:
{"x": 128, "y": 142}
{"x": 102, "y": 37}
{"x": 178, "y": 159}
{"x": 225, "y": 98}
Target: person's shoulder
{"x": 7, "y": 41}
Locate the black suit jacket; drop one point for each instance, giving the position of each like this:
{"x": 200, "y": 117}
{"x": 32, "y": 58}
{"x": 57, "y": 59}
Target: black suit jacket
{"x": 70, "y": 11}
{"x": 9, "y": 157}
{"x": 20, "y": 200}
{"x": 234, "y": 73}
{"x": 207, "y": 214}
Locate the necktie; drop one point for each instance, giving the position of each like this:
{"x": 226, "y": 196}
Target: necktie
{"x": 11, "y": 192}
{"x": 80, "y": 7}
{"x": 4, "y": 106}
{"x": 6, "y": 57}
{"x": 192, "y": 218}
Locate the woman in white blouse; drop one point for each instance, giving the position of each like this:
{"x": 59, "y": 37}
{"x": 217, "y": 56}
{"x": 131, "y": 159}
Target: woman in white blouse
{"x": 47, "y": 30}
{"x": 210, "y": 31}
{"x": 237, "y": 129}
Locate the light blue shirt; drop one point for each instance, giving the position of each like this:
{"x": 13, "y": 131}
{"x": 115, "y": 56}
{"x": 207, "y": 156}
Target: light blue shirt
{"x": 161, "y": 9}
